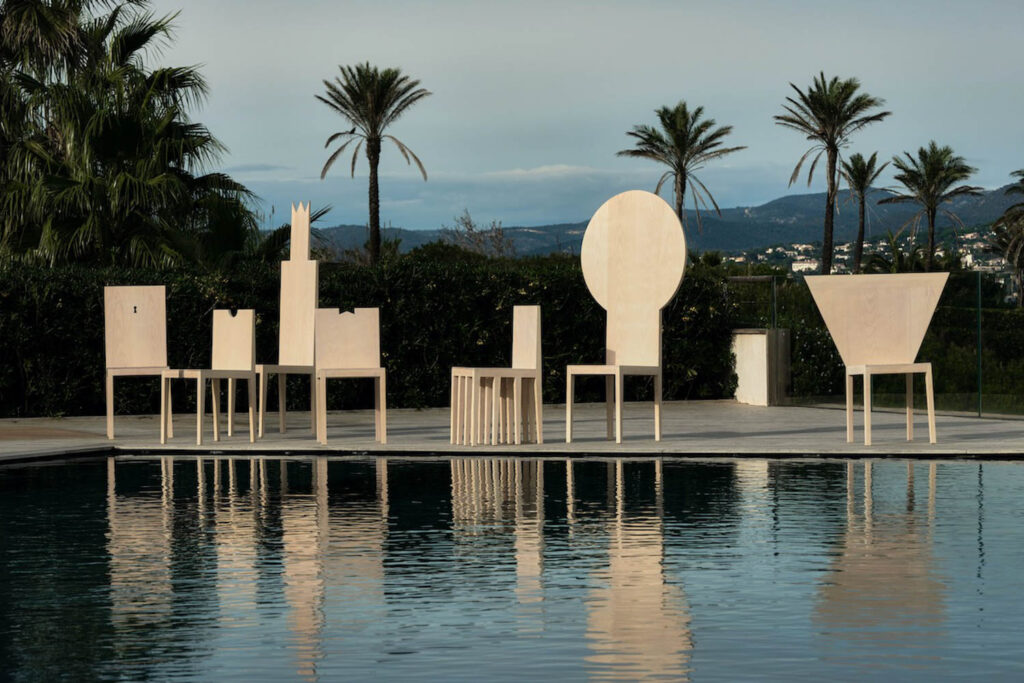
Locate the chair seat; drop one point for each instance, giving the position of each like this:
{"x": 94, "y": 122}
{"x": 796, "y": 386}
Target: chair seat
{"x": 889, "y": 369}
{"x": 272, "y": 369}
{"x": 350, "y": 372}
{"x": 200, "y": 374}
{"x": 494, "y": 372}
{"x": 136, "y": 372}
{"x": 613, "y": 369}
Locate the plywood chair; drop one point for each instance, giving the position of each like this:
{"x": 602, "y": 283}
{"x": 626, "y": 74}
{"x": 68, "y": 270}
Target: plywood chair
{"x": 633, "y": 257}
{"x": 348, "y": 346}
{"x": 489, "y": 404}
{"x": 296, "y": 335}
{"x": 234, "y": 351}
{"x": 878, "y": 323}
{"x": 135, "y": 338}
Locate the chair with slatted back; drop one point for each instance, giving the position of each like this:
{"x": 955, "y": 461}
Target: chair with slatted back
{"x": 348, "y": 346}
{"x": 234, "y": 351}
{"x": 633, "y": 257}
{"x": 502, "y": 405}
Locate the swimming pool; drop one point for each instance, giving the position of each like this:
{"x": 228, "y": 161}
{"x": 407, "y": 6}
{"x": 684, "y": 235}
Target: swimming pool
{"x": 307, "y": 569}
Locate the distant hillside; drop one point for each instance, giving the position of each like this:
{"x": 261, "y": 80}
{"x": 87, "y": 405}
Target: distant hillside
{"x": 789, "y": 219}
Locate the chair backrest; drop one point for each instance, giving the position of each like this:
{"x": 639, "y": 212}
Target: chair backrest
{"x": 633, "y": 258}
{"x": 877, "y": 319}
{"x": 234, "y": 340}
{"x": 526, "y": 347}
{"x": 299, "y": 298}
{"x": 349, "y": 340}
{"x": 135, "y": 326}
{"x": 298, "y": 249}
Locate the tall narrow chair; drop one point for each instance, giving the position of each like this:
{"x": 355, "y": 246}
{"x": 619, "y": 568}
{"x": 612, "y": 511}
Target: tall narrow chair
{"x": 135, "y": 338}
{"x": 633, "y": 258}
{"x": 503, "y": 405}
{"x": 296, "y": 336}
{"x": 878, "y": 323}
{"x": 234, "y": 349}
{"x": 348, "y": 346}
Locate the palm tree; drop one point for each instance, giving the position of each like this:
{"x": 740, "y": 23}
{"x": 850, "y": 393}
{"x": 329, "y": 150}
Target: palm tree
{"x": 371, "y": 99}
{"x": 860, "y": 174}
{"x": 685, "y": 143}
{"x": 1007, "y": 238}
{"x": 898, "y": 260}
{"x": 828, "y": 114}
{"x": 929, "y": 179}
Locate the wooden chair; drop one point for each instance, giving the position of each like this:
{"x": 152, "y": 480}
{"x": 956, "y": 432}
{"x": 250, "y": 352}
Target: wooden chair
{"x": 878, "y": 323}
{"x": 348, "y": 346}
{"x": 234, "y": 350}
{"x": 135, "y": 338}
{"x": 633, "y": 258}
{"x": 502, "y": 405}
{"x": 296, "y": 335}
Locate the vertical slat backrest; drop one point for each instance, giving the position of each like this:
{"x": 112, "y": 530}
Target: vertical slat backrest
{"x": 526, "y": 340}
{"x": 299, "y": 295}
{"x": 234, "y": 340}
{"x": 135, "y": 326}
{"x": 349, "y": 340}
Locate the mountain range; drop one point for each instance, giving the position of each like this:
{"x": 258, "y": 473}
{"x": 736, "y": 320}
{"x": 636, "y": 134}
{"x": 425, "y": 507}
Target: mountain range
{"x": 787, "y": 220}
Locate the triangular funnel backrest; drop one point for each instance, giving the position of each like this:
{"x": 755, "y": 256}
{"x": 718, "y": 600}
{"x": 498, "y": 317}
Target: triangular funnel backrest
{"x": 234, "y": 340}
{"x": 299, "y": 299}
{"x": 633, "y": 257}
{"x": 877, "y": 319}
{"x": 348, "y": 340}
{"x": 526, "y": 347}
{"x": 135, "y": 326}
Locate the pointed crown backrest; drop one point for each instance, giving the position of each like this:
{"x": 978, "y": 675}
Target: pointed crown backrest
{"x": 348, "y": 340}
{"x": 299, "y": 299}
{"x": 299, "y": 249}
{"x": 526, "y": 347}
{"x": 877, "y": 319}
{"x": 633, "y": 257}
{"x": 234, "y": 340}
{"x": 135, "y": 326}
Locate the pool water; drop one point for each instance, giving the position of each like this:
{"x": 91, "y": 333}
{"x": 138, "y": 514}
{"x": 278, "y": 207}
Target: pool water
{"x": 509, "y": 569}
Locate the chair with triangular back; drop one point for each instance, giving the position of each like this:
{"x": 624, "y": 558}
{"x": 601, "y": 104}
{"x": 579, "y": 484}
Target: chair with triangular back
{"x": 348, "y": 346}
{"x": 234, "y": 351}
{"x": 878, "y": 323}
{"x": 135, "y": 337}
{"x": 503, "y": 405}
{"x": 633, "y": 257}
{"x": 296, "y": 331}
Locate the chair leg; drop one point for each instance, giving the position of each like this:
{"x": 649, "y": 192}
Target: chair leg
{"x": 215, "y": 400}
{"x": 282, "y": 407}
{"x": 474, "y": 403}
{"x": 867, "y": 408}
{"x": 231, "y": 406}
{"x": 517, "y": 409}
{"x": 263, "y": 400}
{"x": 170, "y": 412}
{"x": 382, "y": 383}
{"x": 110, "y": 405}
{"x": 568, "y": 406}
{"x": 910, "y": 406}
{"x": 321, "y": 409}
{"x": 618, "y": 406}
{"x": 849, "y": 409}
{"x": 657, "y": 407}
{"x": 538, "y": 409}
{"x": 163, "y": 410}
{"x": 200, "y": 408}
{"x": 609, "y": 405}
{"x": 930, "y": 397}
{"x": 466, "y": 411}
{"x": 312, "y": 405}
{"x": 497, "y": 418}
{"x": 251, "y": 383}
{"x": 453, "y": 410}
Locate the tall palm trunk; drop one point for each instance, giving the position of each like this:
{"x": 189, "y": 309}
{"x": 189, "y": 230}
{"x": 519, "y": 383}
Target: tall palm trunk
{"x": 373, "y": 155}
{"x": 830, "y": 212}
{"x": 931, "y": 239}
{"x": 680, "y": 194}
{"x": 858, "y": 248}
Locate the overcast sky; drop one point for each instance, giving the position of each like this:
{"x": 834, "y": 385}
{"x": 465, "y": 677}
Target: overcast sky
{"x": 532, "y": 99}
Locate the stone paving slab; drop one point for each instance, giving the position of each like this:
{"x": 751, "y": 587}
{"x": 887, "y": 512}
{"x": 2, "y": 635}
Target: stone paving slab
{"x": 690, "y": 428}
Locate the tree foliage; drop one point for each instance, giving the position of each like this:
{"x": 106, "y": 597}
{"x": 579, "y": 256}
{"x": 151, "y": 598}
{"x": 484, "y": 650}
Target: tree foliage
{"x": 99, "y": 160}
{"x": 860, "y": 174}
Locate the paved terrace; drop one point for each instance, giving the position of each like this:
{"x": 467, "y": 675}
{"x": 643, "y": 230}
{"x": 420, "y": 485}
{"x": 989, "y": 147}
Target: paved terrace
{"x": 691, "y": 428}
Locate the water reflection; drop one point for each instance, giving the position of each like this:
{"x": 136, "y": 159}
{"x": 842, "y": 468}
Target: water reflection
{"x": 883, "y": 588}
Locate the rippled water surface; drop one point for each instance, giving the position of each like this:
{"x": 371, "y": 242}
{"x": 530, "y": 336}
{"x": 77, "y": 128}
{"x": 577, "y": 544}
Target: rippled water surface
{"x": 501, "y": 569}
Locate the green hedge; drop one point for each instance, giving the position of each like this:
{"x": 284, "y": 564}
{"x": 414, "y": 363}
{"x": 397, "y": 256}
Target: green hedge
{"x": 433, "y": 315}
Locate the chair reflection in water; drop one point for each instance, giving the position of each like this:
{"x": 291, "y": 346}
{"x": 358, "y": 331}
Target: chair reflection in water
{"x": 633, "y": 257}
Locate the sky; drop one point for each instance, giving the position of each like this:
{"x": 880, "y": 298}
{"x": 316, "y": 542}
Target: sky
{"x": 531, "y": 100}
